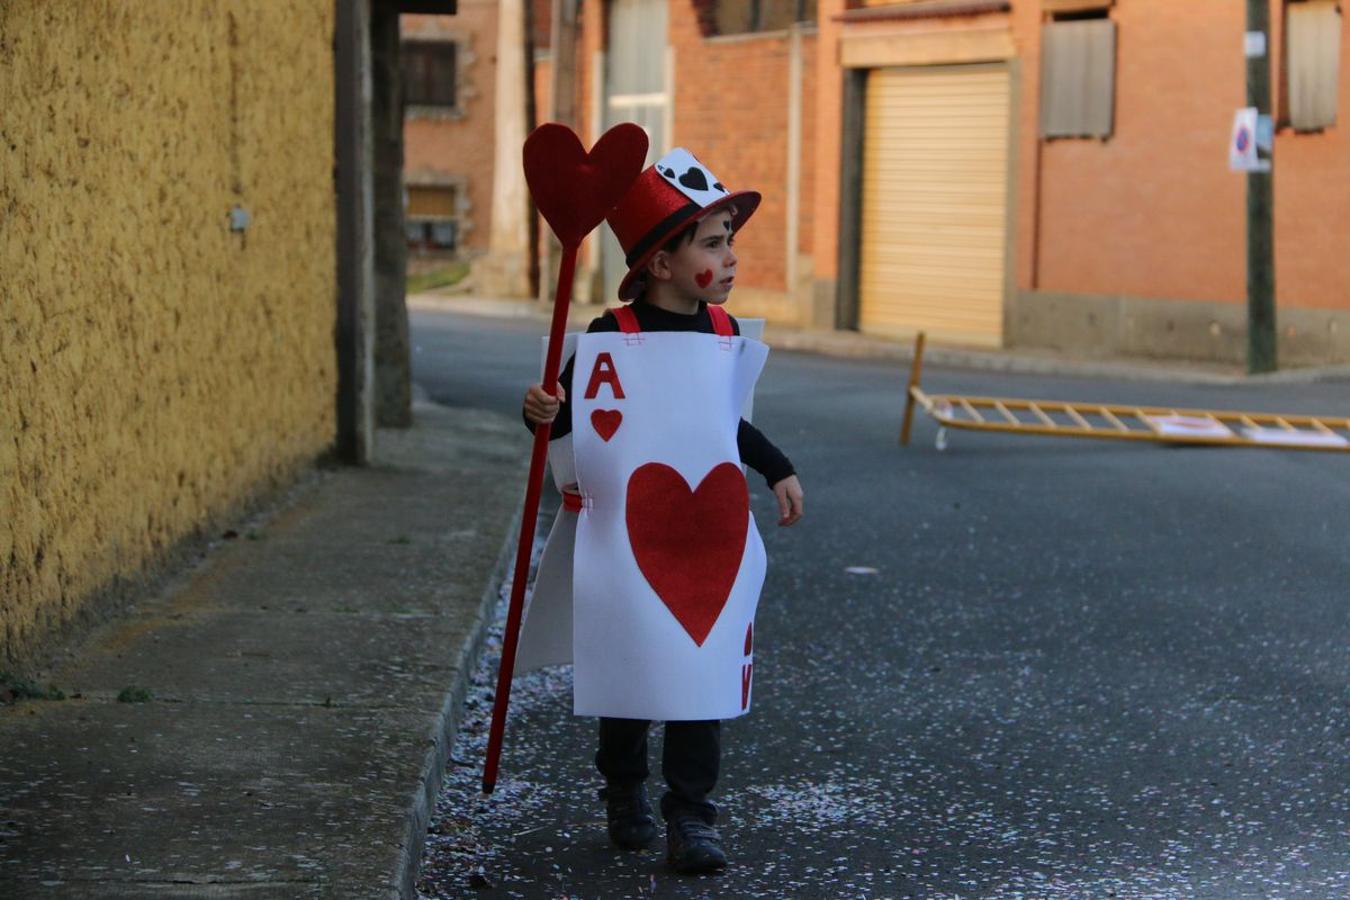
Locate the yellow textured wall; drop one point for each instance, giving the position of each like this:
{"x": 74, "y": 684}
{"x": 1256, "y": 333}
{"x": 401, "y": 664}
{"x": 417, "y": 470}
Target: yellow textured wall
{"x": 156, "y": 370}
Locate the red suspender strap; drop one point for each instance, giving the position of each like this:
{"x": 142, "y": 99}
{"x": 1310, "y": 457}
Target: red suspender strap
{"x": 721, "y": 321}
{"x": 627, "y": 319}
{"x": 628, "y": 323}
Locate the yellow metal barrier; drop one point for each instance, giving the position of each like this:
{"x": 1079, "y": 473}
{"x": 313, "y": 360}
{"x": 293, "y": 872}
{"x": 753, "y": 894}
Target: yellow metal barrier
{"x": 1163, "y": 424}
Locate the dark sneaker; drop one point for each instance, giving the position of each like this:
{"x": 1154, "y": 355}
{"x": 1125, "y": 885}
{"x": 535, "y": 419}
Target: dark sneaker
{"x": 692, "y": 845}
{"x": 631, "y": 823}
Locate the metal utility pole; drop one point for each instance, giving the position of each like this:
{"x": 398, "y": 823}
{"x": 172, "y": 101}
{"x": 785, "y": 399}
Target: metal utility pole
{"x": 1260, "y": 208}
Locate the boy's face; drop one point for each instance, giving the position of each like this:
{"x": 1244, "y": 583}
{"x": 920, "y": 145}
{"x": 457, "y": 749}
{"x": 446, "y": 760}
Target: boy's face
{"x": 704, "y": 268}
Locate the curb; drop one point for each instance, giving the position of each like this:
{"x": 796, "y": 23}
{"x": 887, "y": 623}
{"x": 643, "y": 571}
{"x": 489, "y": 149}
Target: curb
{"x": 850, "y": 345}
{"x": 446, "y": 726}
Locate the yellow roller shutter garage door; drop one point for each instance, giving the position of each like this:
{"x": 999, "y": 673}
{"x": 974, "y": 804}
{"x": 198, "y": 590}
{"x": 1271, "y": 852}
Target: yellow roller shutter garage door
{"x": 934, "y": 203}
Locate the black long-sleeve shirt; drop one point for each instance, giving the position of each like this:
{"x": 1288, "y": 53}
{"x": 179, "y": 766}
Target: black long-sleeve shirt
{"x": 756, "y": 451}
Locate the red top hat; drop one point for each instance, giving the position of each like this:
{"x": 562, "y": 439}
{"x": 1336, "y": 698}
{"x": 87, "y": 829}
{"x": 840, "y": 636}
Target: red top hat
{"x": 665, "y": 199}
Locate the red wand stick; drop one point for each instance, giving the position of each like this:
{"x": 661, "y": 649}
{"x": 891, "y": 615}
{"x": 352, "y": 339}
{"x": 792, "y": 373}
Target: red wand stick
{"x": 573, "y": 190}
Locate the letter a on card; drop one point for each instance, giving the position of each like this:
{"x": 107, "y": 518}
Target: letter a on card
{"x": 603, "y": 372}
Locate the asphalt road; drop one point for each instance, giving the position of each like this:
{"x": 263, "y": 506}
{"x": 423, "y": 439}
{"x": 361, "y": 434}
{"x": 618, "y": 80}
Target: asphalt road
{"x": 1081, "y": 669}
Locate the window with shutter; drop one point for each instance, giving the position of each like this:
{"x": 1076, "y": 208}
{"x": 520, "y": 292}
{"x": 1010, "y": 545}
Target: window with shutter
{"x": 1078, "y": 68}
{"x": 1313, "y": 63}
{"x": 745, "y": 16}
{"x": 430, "y": 217}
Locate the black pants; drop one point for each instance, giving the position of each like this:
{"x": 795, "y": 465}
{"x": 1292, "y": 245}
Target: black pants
{"x": 690, "y": 758}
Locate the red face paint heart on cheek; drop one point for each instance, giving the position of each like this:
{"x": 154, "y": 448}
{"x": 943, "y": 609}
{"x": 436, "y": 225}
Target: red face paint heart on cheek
{"x": 704, "y": 278}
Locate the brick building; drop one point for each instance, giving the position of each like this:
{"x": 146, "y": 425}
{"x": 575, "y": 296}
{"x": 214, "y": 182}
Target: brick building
{"x": 450, "y": 71}
{"x": 997, "y": 172}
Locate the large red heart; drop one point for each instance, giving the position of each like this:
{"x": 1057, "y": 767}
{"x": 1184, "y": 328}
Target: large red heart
{"x": 574, "y": 189}
{"x": 689, "y": 544}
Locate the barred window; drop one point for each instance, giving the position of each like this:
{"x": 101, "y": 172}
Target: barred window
{"x": 430, "y": 77}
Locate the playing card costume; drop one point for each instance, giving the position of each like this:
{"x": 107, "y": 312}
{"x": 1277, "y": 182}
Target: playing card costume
{"x": 652, "y": 572}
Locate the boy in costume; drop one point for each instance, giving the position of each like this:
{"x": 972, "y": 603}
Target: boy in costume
{"x": 664, "y": 600}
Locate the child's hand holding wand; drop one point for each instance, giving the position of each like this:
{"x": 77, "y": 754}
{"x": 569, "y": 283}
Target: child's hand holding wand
{"x": 540, "y": 406}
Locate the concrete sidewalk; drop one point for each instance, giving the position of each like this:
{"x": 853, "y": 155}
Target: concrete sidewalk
{"x": 858, "y": 346}
{"x": 306, "y": 678}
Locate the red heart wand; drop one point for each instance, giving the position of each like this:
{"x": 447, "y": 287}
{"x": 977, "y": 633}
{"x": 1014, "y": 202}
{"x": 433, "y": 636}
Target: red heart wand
{"x": 573, "y": 190}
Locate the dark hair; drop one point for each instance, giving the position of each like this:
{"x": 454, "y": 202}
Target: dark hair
{"x": 684, "y": 237}
{"x": 670, "y": 245}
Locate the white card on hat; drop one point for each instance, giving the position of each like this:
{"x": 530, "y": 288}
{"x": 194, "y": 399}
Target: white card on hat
{"x": 690, "y": 177}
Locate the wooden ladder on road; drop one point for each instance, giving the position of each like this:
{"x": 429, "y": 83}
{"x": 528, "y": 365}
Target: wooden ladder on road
{"x": 1160, "y": 424}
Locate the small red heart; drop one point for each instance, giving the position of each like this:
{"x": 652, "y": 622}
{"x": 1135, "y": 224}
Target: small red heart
{"x": 606, "y": 422}
{"x": 689, "y": 544}
{"x": 704, "y": 278}
{"x": 574, "y": 189}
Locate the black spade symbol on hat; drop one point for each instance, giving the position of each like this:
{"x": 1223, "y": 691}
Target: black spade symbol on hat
{"x": 669, "y": 173}
{"x": 694, "y": 179}
{"x": 718, "y": 185}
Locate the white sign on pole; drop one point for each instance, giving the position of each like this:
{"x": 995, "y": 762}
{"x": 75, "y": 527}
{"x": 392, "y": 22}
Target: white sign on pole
{"x": 1242, "y": 146}
{"x": 1254, "y": 44}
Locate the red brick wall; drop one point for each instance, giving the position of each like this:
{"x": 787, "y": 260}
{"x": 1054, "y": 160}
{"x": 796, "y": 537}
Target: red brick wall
{"x": 1153, "y": 211}
{"x": 741, "y": 134}
{"x": 731, "y": 112}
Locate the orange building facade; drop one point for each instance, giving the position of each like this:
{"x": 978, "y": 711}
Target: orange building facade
{"x": 1137, "y": 243}
{"x": 1015, "y": 173}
